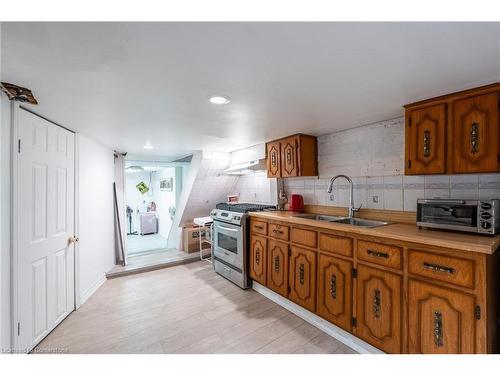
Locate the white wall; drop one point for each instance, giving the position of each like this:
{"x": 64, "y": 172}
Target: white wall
{"x": 163, "y": 199}
{"x": 5, "y": 222}
{"x": 256, "y": 188}
{"x": 95, "y": 220}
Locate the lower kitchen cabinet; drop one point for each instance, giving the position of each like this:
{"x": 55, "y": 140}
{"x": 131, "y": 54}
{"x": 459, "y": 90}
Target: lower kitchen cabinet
{"x": 302, "y": 277}
{"x": 335, "y": 291}
{"x": 440, "y": 320}
{"x": 277, "y": 267}
{"x": 378, "y": 310}
{"x": 258, "y": 259}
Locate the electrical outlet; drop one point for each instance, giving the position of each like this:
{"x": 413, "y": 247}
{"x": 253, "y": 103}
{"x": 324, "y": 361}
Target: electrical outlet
{"x": 375, "y": 199}
{"x": 332, "y": 197}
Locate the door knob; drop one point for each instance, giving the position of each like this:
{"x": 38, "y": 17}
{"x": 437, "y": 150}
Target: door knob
{"x": 73, "y": 239}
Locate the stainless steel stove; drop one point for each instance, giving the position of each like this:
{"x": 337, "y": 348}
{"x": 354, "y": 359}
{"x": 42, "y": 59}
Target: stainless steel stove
{"x": 231, "y": 238}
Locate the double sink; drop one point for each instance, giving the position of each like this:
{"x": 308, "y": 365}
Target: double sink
{"x": 344, "y": 220}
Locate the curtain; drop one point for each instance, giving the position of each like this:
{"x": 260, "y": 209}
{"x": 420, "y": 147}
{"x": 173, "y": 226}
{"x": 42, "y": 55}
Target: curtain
{"x": 119, "y": 210}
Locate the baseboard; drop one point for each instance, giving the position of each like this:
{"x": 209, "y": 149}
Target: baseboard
{"x": 344, "y": 337}
{"x": 92, "y": 290}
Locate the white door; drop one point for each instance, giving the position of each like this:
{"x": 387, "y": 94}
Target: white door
{"x": 45, "y": 254}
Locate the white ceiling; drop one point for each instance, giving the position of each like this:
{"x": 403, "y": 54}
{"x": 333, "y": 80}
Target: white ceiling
{"x": 126, "y": 83}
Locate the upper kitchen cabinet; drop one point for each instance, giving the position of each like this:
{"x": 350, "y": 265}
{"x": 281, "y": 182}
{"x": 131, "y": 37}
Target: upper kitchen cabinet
{"x": 475, "y": 134}
{"x": 455, "y": 133}
{"x": 292, "y": 156}
{"x": 426, "y": 143}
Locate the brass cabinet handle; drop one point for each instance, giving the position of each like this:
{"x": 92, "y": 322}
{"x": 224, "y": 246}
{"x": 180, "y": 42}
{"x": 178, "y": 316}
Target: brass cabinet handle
{"x": 277, "y": 231}
{"x": 438, "y": 328}
{"x": 273, "y": 159}
{"x": 259, "y": 227}
{"x": 474, "y": 138}
{"x": 301, "y": 274}
{"x": 289, "y": 156}
{"x": 333, "y": 286}
{"x": 438, "y": 268}
{"x": 257, "y": 257}
{"x": 277, "y": 264}
{"x": 376, "y": 304}
{"x": 427, "y": 143}
{"x": 377, "y": 254}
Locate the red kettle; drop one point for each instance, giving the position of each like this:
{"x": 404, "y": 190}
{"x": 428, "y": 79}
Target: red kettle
{"x": 296, "y": 203}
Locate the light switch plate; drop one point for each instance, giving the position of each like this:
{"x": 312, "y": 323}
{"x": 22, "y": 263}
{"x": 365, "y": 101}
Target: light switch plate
{"x": 332, "y": 197}
{"x": 375, "y": 199}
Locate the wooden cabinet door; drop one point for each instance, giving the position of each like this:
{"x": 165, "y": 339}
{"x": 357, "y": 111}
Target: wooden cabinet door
{"x": 475, "y": 134}
{"x": 440, "y": 320}
{"x": 277, "y": 267}
{"x": 426, "y": 140}
{"x": 290, "y": 157}
{"x": 302, "y": 277}
{"x": 335, "y": 291}
{"x": 258, "y": 259}
{"x": 273, "y": 160}
{"x": 378, "y": 310}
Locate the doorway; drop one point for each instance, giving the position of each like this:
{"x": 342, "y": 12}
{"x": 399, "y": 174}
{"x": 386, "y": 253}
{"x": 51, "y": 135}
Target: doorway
{"x": 151, "y": 192}
{"x": 43, "y": 221}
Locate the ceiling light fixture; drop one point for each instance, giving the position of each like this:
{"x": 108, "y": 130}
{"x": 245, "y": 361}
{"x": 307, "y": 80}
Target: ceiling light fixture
{"x": 219, "y": 99}
{"x": 148, "y": 146}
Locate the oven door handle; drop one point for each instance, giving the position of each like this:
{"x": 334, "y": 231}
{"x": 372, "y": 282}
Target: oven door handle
{"x": 226, "y": 228}
{"x": 444, "y": 201}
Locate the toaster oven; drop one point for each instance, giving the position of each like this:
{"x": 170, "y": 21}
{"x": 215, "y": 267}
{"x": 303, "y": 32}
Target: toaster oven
{"x": 477, "y": 216}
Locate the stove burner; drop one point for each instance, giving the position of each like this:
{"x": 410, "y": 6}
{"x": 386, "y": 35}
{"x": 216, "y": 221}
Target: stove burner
{"x": 244, "y": 207}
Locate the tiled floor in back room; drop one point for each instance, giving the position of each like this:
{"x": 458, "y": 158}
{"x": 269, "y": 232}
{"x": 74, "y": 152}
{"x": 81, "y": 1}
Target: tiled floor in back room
{"x": 185, "y": 309}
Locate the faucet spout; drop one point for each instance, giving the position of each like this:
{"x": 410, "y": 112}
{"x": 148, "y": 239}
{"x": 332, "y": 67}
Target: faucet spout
{"x": 352, "y": 209}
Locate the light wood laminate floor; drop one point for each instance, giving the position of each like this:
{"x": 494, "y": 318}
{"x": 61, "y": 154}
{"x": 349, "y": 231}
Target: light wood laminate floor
{"x": 184, "y": 309}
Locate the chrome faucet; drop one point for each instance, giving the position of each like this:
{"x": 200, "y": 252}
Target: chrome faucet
{"x": 352, "y": 209}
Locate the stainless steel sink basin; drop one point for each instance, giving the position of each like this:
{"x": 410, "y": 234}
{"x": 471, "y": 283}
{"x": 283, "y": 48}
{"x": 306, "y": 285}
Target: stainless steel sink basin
{"x": 319, "y": 217}
{"x": 361, "y": 222}
{"x": 344, "y": 220}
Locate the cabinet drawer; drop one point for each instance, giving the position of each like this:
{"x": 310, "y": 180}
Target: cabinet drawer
{"x": 279, "y": 231}
{"x": 259, "y": 227}
{"x": 377, "y": 253}
{"x": 440, "y": 267}
{"x": 305, "y": 237}
{"x": 335, "y": 244}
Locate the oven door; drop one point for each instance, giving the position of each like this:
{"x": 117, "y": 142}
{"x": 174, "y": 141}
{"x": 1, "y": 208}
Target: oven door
{"x": 228, "y": 243}
{"x": 448, "y": 214}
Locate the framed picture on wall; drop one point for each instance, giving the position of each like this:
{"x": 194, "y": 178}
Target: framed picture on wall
{"x": 167, "y": 184}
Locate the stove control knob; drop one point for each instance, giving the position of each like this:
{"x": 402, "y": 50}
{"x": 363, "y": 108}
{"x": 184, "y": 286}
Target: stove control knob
{"x": 486, "y": 206}
{"x": 486, "y": 215}
{"x": 485, "y": 224}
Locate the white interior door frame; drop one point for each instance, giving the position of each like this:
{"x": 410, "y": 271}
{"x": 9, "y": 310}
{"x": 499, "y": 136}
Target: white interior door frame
{"x": 15, "y": 228}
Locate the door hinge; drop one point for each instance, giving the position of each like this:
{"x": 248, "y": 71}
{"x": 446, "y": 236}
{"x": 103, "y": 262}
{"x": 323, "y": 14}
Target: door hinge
{"x": 354, "y": 322}
{"x": 288, "y": 289}
{"x": 409, "y": 121}
{"x": 289, "y": 251}
{"x": 19, "y": 328}
{"x": 409, "y": 163}
{"x": 18, "y": 146}
{"x": 477, "y": 312}
{"x": 355, "y": 273}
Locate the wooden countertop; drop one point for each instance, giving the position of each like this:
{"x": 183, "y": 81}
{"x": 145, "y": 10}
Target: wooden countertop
{"x": 402, "y": 232}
